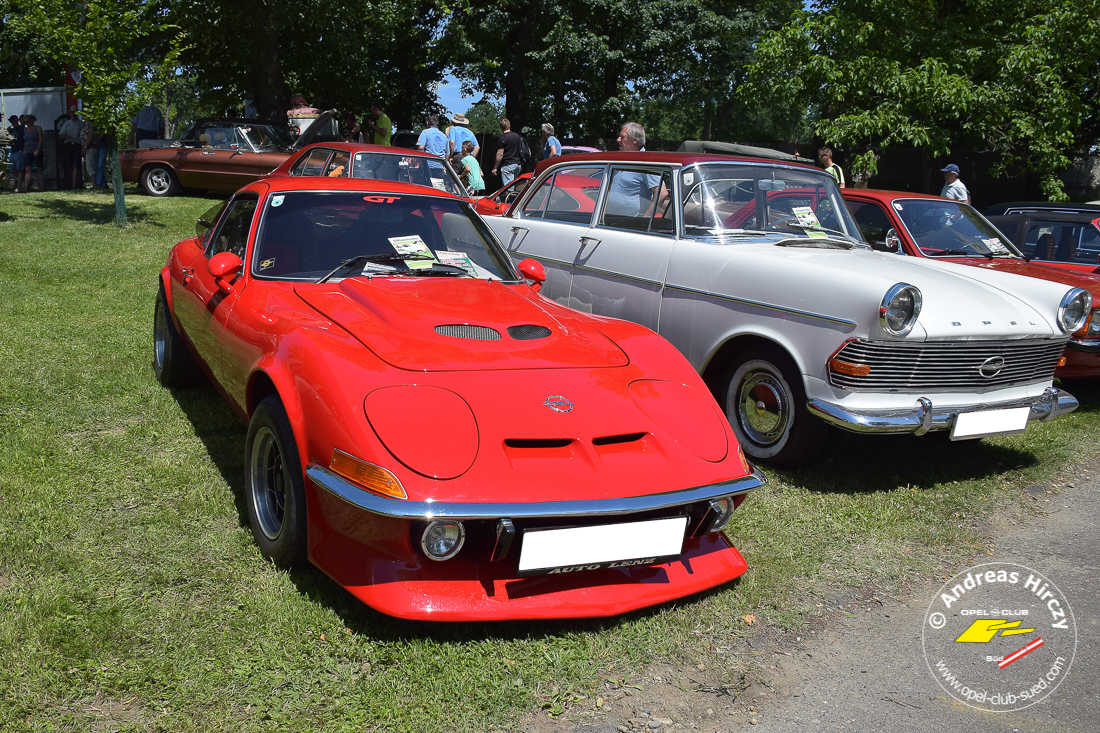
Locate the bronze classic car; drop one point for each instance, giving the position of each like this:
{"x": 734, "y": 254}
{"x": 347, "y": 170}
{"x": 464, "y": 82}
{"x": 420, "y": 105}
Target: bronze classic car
{"x": 219, "y": 154}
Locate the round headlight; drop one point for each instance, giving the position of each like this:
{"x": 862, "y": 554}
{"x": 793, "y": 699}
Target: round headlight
{"x": 1074, "y": 309}
{"x": 723, "y": 511}
{"x": 900, "y": 308}
{"x": 442, "y": 539}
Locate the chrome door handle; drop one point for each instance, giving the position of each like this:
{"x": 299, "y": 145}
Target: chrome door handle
{"x": 593, "y": 240}
{"x": 188, "y": 273}
{"x": 208, "y": 152}
{"x": 520, "y": 229}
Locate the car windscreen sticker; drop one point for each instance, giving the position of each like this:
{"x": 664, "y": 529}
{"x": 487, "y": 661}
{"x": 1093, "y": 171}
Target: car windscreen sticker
{"x": 277, "y": 200}
{"x": 457, "y": 259}
{"x": 897, "y": 206}
{"x": 689, "y": 178}
{"x": 805, "y": 216}
{"x": 995, "y": 246}
{"x": 414, "y": 250}
{"x": 439, "y": 183}
{"x": 267, "y": 264}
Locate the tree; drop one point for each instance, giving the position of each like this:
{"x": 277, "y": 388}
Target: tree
{"x": 107, "y": 41}
{"x": 24, "y": 60}
{"x": 1013, "y": 76}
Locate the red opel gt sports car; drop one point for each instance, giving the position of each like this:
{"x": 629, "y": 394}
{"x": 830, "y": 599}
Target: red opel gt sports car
{"x": 431, "y": 432}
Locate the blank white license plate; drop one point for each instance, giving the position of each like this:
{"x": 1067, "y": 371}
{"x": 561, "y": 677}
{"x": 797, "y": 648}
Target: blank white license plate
{"x": 990, "y": 422}
{"x": 609, "y": 545}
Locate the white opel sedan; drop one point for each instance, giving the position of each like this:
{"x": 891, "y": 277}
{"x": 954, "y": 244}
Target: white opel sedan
{"x": 755, "y": 270}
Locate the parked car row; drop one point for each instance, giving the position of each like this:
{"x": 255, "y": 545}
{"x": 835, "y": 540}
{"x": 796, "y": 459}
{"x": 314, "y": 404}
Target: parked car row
{"x": 546, "y": 413}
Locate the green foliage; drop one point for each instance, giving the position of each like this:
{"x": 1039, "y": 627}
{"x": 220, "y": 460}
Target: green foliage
{"x": 485, "y": 117}
{"x": 25, "y": 61}
{"x": 106, "y": 42}
{"x": 1013, "y": 76}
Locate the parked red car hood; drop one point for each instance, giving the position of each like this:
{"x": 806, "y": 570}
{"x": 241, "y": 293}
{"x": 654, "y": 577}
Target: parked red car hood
{"x": 401, "y": 319}
{"x": 1090, "y": 283}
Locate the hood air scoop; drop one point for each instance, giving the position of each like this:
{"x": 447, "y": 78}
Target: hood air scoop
{"x": 463, "y": 331}
{"x": 528, "y": 332}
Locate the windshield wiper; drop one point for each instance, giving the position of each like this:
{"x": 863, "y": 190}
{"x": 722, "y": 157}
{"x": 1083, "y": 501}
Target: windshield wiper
{"x": 812, "y": 228}
{"x": 815, "y": 243}
{"x": 364, "y": 259}
{"x": 959, "y": 253}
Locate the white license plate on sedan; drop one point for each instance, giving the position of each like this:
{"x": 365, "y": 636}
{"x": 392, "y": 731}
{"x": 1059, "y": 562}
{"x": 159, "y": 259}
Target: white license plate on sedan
{"x": 990, "y": 422}
{"x": 550, "y": 551}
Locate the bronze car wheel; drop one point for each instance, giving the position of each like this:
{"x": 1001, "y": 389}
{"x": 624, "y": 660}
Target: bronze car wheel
{"x": 159, "y": 180}
{"x": 173, "y": 364}
{"x": 275, "y": 485}
{"x": 766, "y": 406}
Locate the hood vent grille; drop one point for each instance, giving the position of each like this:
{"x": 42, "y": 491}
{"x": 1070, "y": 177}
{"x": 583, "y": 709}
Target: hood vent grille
{"x": 618, "y": 439}
{"x": 528, "y": 332}
{"x": 464, "y": 331}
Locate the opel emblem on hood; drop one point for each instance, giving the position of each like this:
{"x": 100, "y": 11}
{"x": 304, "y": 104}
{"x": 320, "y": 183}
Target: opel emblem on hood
{"x": 992, "y": 366}
{"x": 557, "y": 403}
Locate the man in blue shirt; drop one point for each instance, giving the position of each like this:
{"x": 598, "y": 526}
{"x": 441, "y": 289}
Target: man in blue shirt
{"x": 432, "y": 140}
{"x": 633, "y": 192}
{"x": 459, "y": 134}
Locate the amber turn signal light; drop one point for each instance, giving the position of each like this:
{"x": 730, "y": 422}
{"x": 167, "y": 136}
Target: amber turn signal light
{"x": 847, "y": 367}
{"x": 369, "y": 476}
{"x": 1062, "y": 362}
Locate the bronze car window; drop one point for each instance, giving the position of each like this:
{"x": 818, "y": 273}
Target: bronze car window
{"x": 568, "y": 201}
{"x": 232, "y": 235}
{"x": 315, "y": 165}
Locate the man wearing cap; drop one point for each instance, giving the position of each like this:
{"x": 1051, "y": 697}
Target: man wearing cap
{"x": 459, "y": 133}
{"x": 953, "y": 188}
{"x": 16, "y": 131}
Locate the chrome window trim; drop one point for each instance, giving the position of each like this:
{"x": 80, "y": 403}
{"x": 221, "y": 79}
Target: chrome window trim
{"x": 424, "y": 510}
{"x": 673, "y": 170}
{"x": 761, "y": 304}
{"x": 549, "y": 173}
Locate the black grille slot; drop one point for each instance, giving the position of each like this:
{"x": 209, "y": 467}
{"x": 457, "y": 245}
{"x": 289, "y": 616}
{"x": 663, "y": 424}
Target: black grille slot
{"x": 464, "y": 331}
{"x": 949, "y": 366}
{"x": 537, "y": 442}
{"x": 617, "y": 439}
{"x": 528, "y": 332}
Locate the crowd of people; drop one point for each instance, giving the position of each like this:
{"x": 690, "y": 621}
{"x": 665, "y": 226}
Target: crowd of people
{"x": 80, "y": 146}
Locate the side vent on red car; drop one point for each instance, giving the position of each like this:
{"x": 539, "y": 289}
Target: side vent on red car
{"x": 466, "y": 331}
{"x": 537, "y": 442}
{"x": 528, "y": 332}
{"x": 618, "y": 439}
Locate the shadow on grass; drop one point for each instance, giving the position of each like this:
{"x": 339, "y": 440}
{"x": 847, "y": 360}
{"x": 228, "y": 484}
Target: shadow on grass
{"x": 100, "y": 210}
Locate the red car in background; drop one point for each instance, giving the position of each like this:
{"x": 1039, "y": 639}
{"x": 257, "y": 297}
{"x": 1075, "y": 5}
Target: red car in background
{"x": 430, "y": 431}
{"x": 919, "y": 225}
{"x": 495, "y": 204}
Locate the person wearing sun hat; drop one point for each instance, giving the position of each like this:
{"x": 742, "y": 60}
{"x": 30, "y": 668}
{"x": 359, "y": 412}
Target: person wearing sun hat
{"x": 459, "y": 133}
{"x": 953, "y": 188}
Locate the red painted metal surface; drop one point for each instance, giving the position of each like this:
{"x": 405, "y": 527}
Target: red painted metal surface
{"x": 360, "y": 368}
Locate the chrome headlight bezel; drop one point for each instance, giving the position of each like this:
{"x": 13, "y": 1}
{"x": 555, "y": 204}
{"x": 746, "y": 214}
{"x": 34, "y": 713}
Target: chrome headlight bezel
{"x": 888, "y": 303}
{"x": 458, "y": 539}
{"x": 1074, "y": 310}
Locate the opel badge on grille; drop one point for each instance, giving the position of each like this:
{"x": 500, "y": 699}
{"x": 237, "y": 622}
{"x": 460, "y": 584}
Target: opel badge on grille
{"x": 992, "y": 366}
{"x": 557, "y": 403}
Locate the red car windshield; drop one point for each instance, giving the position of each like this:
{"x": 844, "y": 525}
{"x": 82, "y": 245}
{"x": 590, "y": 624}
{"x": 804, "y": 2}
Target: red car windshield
{"x": 942, "y": 228}
{"x": 305, "y": 235}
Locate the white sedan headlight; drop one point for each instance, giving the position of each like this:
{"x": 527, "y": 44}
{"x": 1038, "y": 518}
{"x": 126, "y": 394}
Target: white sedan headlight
{"x": 1074, "y": 309}
{"x": 900, "y": 308}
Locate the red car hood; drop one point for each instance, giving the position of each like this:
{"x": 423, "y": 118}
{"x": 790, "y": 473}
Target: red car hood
{"x": 1090, "y": 283}
{"x": 398, "y": 318}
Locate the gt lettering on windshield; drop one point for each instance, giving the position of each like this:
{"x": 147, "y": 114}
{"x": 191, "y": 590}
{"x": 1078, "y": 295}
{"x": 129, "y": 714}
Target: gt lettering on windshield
{"x": 381, "y": 199}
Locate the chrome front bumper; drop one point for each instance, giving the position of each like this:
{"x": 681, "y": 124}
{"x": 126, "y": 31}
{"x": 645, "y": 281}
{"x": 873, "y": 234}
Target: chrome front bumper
{"x": 925, "y": 417}
{"x": 427, "y": 510}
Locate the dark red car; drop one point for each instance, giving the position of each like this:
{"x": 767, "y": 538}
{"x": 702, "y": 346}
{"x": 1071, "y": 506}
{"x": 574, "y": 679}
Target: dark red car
{"x": 919, "y": 225}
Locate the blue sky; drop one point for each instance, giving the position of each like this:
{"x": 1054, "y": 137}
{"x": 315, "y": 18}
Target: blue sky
{"x": 451, "y": 97}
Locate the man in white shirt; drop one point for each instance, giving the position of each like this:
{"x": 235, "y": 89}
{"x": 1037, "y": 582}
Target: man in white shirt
{"x": 953, "y": 188}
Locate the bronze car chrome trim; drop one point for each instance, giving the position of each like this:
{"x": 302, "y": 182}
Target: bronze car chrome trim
{"x": 424, "y": 510}
{"x": 924, "y": 417}
{"x": 768, "y": 306}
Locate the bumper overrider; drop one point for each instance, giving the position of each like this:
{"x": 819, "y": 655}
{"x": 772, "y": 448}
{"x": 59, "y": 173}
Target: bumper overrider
{"x": 925, "y": 417}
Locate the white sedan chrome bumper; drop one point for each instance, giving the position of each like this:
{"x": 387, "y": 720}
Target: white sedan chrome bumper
{"x": 925, "y": 417}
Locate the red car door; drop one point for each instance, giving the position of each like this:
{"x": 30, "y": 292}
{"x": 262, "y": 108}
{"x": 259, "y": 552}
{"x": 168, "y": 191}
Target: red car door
{"x": 200, "y": 305}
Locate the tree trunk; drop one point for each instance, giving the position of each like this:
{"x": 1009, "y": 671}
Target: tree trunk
{"x": 120, "y": 192}
{"x": 515, "y": 88}
{"x": 270, "y": 93}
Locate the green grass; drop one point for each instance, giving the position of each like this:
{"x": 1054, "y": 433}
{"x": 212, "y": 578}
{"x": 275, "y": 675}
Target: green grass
{"x": 134, "y": 598}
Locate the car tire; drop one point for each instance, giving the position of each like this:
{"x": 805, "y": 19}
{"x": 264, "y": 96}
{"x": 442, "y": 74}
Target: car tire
{"x": 765, "y": 402}
{"x": 173, "y": 364}
{"x": 275, "y": 485}
{"x": 159, "y": 180}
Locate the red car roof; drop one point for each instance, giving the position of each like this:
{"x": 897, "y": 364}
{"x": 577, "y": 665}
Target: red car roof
{"x": 284, "y": 169}
{"x": 886, "y": 196}
{"x": 660, "y": 157}
{"x": 323, "y": 183}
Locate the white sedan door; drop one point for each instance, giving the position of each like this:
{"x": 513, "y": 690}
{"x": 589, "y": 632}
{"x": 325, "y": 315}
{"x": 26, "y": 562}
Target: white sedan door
{"x": 620, "y": 269}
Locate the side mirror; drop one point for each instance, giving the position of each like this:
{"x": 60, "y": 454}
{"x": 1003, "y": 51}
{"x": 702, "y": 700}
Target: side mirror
{"x": 225, "y": 266}
{"x": 892, "y": 242}
{"x": 533, "y": 270}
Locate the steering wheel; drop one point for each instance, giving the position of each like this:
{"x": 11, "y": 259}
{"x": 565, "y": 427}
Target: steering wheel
{"x": 775, "y": 224}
